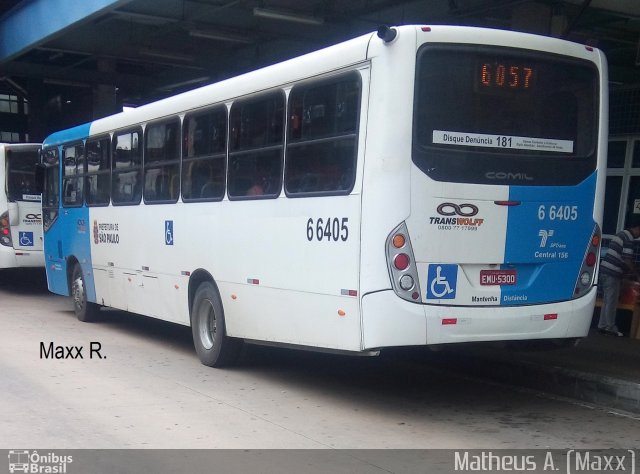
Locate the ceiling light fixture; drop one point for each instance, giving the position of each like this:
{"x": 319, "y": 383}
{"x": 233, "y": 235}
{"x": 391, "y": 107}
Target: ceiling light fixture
{"x": 219, "y": 36}
{"x": 166, "y": 55}
{"x": 189, "y": 82}
{"x": 287, "y": 16}
{"x": 144, "y": 18}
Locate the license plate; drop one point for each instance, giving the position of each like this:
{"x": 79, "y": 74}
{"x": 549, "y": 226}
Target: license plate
{"x": 497, "y": 277}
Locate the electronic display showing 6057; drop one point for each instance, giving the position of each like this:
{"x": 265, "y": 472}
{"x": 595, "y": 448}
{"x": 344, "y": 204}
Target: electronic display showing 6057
{"x": 505, "y": 75}
{"x": 329, "y": 229}
{"x": 558, "y": 213}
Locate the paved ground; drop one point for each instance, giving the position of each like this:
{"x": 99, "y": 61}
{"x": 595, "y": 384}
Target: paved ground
{"x": 150, "y": 391}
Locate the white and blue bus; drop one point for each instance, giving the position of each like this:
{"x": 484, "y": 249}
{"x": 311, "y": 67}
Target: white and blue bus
{"x": 20, "y": 211}
{"x": 422, "y": 185}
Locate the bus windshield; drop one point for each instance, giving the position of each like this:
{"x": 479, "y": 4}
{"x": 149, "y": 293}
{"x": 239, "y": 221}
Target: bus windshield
{"x": 483, "y": 111}
{"x": 21, "y": 175}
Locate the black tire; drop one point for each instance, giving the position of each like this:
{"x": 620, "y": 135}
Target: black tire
{"x": 213, "y": 346}
{"x": 85, "y": 311}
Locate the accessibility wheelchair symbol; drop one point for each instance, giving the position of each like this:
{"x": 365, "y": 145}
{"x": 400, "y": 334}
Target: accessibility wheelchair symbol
{"x": 442, "y": 280}
{"x": 26, "y": 239}
{"x": 168, "y": 232}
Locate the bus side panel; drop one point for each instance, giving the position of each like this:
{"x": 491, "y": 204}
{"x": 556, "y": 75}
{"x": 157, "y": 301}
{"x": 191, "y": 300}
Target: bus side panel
{"x": 386, "y": 181}
{"x": 292, "y": 317}
{"x": 280, "y": 279}
{"x": 66, "y": 239}
{"x": 390, "y": 321}
{"x": 292, "y": 265}
{"x": 140, "y": 269}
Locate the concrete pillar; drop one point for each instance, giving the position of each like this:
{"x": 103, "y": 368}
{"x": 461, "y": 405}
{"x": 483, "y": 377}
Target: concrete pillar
{"x": 532, "y": 17}
{"x": 37, "y": 117}
{"x": 104, "y": 95}
{"x": 559, "y": 25}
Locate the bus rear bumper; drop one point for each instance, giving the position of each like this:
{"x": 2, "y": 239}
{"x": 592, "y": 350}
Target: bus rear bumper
{"x": 390, "y": 321}
{"x": 11, "y": 258}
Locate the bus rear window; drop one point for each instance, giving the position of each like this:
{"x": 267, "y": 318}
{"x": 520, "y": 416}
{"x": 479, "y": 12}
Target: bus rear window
{"x": 21, "y": 175}
{"x": 504, "y": 111}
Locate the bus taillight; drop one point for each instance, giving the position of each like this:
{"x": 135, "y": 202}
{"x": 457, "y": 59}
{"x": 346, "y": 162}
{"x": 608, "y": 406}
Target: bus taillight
{"x": 401, "y": 261}
{"x": 587, "y": 270}
{"x": 5, "y": 230}
{"x": 402, "y": 267}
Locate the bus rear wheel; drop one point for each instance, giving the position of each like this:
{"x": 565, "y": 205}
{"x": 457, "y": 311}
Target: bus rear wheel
{"x": 213, "y": 346}
{"x": 85, "y": 311}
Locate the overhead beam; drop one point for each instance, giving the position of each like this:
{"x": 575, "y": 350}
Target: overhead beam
{"x": 33, "y": 23}
{"x": 70, "y": 76}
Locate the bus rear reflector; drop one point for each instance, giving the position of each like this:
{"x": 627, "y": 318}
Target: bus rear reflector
{"x": 549, "y": 317}
{"x": 345, "y": 292}
{"x": 448, "y": 321}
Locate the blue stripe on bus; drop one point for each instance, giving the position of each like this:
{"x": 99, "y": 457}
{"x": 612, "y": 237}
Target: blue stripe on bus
{"x": 77, "y": 133}
{"x": 547, "y": 235}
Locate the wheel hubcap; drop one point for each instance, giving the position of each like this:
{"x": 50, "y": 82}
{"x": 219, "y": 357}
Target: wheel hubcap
{"x": 78, "y": 293}
{"x": 207, "y": 324}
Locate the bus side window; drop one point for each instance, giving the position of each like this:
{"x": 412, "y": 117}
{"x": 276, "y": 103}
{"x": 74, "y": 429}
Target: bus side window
{"x": 162, "y": 162}
{"x": 126, "y": 168}
{"x": 73, "y": 175}
{"x": 323, "y": 136}
{"x": 98, "y": 182}
{"x": 255, "y": 154}
{"x": 204, "y": 139}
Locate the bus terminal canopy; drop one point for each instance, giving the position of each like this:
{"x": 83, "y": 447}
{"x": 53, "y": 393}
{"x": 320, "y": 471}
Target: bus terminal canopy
{"x": 153, "y": 49}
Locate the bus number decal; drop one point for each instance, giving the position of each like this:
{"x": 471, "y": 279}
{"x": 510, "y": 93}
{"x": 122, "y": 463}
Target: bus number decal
{"x": 558, "y": 213}
{"x": 328, "y": 229}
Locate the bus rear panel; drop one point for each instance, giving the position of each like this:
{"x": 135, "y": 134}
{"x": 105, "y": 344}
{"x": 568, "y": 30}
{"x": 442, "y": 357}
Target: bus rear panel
{"x": 501, "y": 238}
{"x": 20, "y": 208}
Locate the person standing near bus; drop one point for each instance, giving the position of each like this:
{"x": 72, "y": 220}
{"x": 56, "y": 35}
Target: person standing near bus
{"x": 617, "y": 261}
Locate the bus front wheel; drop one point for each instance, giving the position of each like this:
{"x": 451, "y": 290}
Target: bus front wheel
{"x": 213, "y": 346}
{"x": 85, "y": 311}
